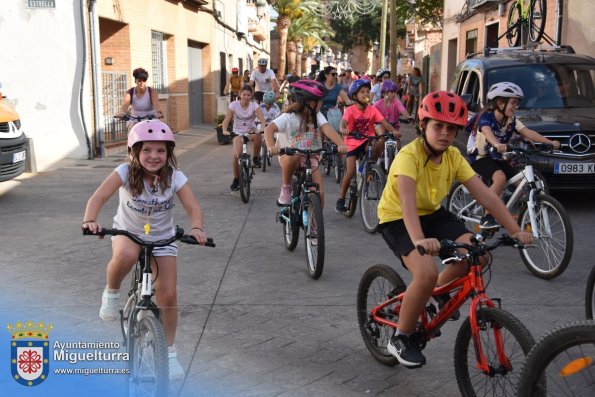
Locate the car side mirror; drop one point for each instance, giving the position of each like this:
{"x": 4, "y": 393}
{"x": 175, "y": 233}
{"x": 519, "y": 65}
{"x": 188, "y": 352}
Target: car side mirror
{"x": 472, "y": 107}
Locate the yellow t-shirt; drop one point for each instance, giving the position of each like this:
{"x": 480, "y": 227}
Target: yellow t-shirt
{"x": 433, "y": 181}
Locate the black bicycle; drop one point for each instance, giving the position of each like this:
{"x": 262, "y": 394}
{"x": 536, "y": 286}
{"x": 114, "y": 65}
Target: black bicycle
{"x": 305, "y": 211}
{"x": 140, "y": 320}
{"x": 245, "y": 168}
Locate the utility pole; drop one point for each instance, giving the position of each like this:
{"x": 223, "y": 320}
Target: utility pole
{"x": 393, "y": 38}
{"x": 383, "y": 33}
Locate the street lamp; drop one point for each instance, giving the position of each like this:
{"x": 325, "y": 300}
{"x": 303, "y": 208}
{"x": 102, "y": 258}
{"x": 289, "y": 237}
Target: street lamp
{"x": 261, "y": 7}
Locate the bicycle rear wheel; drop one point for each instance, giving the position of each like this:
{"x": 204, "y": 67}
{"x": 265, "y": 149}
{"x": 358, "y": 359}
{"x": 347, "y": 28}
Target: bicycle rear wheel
{"x": 562, "y": 363}
{"x": 555, "y": 240}
{"x": 514, "y": 25}
{"x": 516, "y": 340}
{"x": 590, "y": 296}
{"x": 378, "y": 284}
{"x": 244, "y": 181}
{"x": 458, "y": 202}
{"x": 338, "y": 168}
{"x": 537, "y": 14}
{"x": 372, "y": 187}
{"x": 351, "y": 197}
{"x": 149, "y": 365}
{"x": 264, "y": 154}
{"x": 314, "y": 236}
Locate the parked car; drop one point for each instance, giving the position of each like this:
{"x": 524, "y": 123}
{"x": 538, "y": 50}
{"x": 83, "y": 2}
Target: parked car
{"x": 559, "y": 103}
{"x": 13, "y": 142}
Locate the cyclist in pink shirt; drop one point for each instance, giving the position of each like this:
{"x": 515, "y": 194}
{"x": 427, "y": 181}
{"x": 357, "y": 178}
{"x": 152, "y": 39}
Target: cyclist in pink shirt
{"x": 389, "y": 106}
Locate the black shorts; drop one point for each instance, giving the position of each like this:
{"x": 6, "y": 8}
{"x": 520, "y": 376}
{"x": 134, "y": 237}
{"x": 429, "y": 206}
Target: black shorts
{"x": 441, "y": 225}
{"x": 358, "y": 150}
{"x": 486, "y": 166}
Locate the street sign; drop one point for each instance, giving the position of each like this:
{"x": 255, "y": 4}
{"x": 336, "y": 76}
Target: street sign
{"x": 41, "y": 3}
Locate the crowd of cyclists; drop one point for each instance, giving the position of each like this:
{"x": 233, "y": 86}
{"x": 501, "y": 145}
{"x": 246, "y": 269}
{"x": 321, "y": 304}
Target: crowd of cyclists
{"x": 294, "y": 114}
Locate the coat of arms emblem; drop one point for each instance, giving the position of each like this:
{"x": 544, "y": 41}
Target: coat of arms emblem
{"x": 29, "y": 352}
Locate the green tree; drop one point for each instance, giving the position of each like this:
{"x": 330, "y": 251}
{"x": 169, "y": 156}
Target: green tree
{"x": 287, "y": 10}
{"x": 425, "y": 12}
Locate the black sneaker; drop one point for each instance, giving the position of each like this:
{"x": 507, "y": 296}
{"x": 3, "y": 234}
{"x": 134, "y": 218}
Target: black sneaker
{"x": 340, "y": 207}
{"x": 256, "y": 162}
{"x": 488, "y": 222}
{"x": 406, "y": 350}
{"x": 235, "y": 185}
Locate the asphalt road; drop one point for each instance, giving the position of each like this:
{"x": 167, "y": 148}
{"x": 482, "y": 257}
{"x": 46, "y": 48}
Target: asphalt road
{"x": 252, "y": 322}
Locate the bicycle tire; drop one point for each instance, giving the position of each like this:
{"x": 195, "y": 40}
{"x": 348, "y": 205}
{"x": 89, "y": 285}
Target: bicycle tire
{"x": 559, "y": 359}
{"x": 458, "y": 198}
{"x": 351, "y": 197}
{"x": 555, "y": 246}
{"x": 244, "y": 181}
{"x": 338, "y": 168}
{"x": 327, "y": 163}
{"x": 590, "y": 296}
{"x": 513, "y": 25}
{"x": 376, "y": 336}
{"x": 372, "y": 188}
{"x": 148, "y": 359}
{"x": 517, "y": 343}
{"x": 291, "y": 231}
{"x": 264, "y": 154}
{"x": 314, "y": 248}
{"x": 538, "y": 11}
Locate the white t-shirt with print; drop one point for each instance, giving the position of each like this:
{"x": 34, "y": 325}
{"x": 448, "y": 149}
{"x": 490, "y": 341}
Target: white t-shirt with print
{"x": 156, "y": 209}
{"x": 290, "y": 134}
{"x": 263, "y": 80}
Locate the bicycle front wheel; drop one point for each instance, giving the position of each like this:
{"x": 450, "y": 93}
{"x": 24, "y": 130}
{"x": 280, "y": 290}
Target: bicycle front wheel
{"x": 372, "y": 187}
{"x": 561, "y": 363}
{"x": 555, "y": 240}
{"x": 264, "y": 154}
{"x": 314, "y": 236}
{"x": 516, "y": 343}
{"x": 378, "y": 284}
{"x": 590, "y": 296}
{"x": 351, "y": 198}
{"x": 244, "y": 181}
{"x": 149, "y": 365}
{"x": 537, "y": 15}
{"x": 338, "y": 168}
{"x": 291, "y": 230}
{"x": 514, "y": 25}
{"x": 463, "y": 206}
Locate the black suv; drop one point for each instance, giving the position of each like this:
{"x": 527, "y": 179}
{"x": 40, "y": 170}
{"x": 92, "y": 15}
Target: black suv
{"x": 559, "y": 103}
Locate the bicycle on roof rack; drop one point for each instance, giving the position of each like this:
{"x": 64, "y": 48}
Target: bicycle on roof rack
{"x": 526, "y": 20}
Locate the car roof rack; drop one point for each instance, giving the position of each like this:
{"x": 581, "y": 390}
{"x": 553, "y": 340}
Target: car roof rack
{"x": 487, "y": 51}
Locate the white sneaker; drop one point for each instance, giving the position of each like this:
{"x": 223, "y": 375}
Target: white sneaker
{"x": 109, "y": 306}
{"x": 175, "y": 369}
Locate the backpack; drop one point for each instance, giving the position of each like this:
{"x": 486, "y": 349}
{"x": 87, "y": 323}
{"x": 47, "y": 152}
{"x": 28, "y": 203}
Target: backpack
{"x": 131, "y": 92}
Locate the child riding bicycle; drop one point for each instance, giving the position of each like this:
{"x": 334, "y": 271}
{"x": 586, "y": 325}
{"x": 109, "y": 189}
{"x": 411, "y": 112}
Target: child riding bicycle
{"x": 411, "y": 215}
{"x": 147, "y": 184}
{"x": 389, "y": 106}
{"x": 494, "y": 128}
{"x": 360, "y": 118}
{"x": 301, "y": 126}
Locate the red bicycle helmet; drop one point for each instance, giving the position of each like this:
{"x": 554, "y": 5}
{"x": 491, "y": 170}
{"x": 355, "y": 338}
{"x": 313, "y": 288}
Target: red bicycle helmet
{"x": 444, "y": 106}
{"x": 304, "y": 90}
{"x": 234, "y": 70}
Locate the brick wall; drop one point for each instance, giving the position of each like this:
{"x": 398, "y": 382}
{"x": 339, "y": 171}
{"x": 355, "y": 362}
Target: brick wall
{"x": 115, "y": 43}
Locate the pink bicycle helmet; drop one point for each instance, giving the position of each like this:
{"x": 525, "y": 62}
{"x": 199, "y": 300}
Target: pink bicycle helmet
{"x": 304, "y": 90}
{"x": 150, "y": 130}
{"x": 444, "y": 106}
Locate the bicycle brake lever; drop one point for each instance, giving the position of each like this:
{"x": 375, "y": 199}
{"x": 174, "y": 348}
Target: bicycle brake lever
{"x": 453, "y": 259}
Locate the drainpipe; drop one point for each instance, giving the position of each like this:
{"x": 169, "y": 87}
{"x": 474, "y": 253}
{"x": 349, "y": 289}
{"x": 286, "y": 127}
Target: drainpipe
{"x": 560, "y": 14}
{"x": 97, "y": 108}
{"x": 81, "y": 87}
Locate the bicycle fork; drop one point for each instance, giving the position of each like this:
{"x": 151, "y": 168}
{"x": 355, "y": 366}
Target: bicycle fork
{"x": 533, "y": 207}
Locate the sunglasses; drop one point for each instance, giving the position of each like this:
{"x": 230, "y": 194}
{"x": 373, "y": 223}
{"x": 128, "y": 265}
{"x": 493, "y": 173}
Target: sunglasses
{"x": 334, "y": 74}
{"x": 143, "y": 80}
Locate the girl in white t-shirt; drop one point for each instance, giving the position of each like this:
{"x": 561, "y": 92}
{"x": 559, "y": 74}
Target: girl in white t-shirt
{"x": 147, "y": 184}
{"x": 244, "y": 113}
{"x": 301, "y": 126}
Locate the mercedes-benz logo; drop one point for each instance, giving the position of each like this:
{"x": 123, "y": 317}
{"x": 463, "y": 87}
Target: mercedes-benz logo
{"x": 580, "y": 143}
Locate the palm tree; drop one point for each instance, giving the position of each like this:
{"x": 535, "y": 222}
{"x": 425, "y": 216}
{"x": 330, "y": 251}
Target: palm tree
{"x": 287, "y": 10}
{"x": 308, "y": 29}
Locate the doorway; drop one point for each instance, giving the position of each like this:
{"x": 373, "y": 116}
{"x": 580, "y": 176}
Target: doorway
{"x": 195, "y": 83}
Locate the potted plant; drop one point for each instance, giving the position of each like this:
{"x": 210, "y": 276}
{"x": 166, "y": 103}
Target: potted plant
{"x": 222, "y": 139}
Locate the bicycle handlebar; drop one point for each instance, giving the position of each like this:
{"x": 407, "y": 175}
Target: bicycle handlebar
{"x": 293, "y": 150}
{"x": 359, "y": 136}
{"x": 128, "y": 117}
{"x": 185, "y": 238}
{"x": 477, "y": 247}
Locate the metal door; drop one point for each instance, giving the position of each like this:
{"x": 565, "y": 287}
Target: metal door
{"x": 195, "y": 84}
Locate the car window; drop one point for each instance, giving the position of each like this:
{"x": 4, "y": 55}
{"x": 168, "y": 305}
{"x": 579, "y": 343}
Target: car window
{"x": 550, "y": 86}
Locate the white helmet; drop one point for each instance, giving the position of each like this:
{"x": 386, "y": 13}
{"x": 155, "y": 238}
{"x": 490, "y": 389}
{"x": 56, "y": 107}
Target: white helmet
{"x": 505, "y": 90}
{"x": 262, "y": 62}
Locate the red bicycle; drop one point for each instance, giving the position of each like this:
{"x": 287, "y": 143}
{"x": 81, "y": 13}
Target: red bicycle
{"x": 491, "y": 344}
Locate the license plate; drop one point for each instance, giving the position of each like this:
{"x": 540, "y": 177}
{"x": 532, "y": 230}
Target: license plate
{"x": 19, "y": 156}
{"x": 574, "y": 168}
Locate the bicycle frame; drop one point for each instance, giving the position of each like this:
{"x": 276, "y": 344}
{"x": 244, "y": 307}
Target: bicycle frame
{"x": 523, "y": 178}
{"x": 471, "y": 285}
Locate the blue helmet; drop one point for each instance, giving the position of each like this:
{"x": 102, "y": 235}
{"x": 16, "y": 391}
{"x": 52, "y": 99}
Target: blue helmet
{"x": 356, "y": 86}
{"x": 269, "y": 97}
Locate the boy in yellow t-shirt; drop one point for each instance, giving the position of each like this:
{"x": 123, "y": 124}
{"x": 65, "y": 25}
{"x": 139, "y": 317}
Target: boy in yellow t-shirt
{"x": 411, "y": 214}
